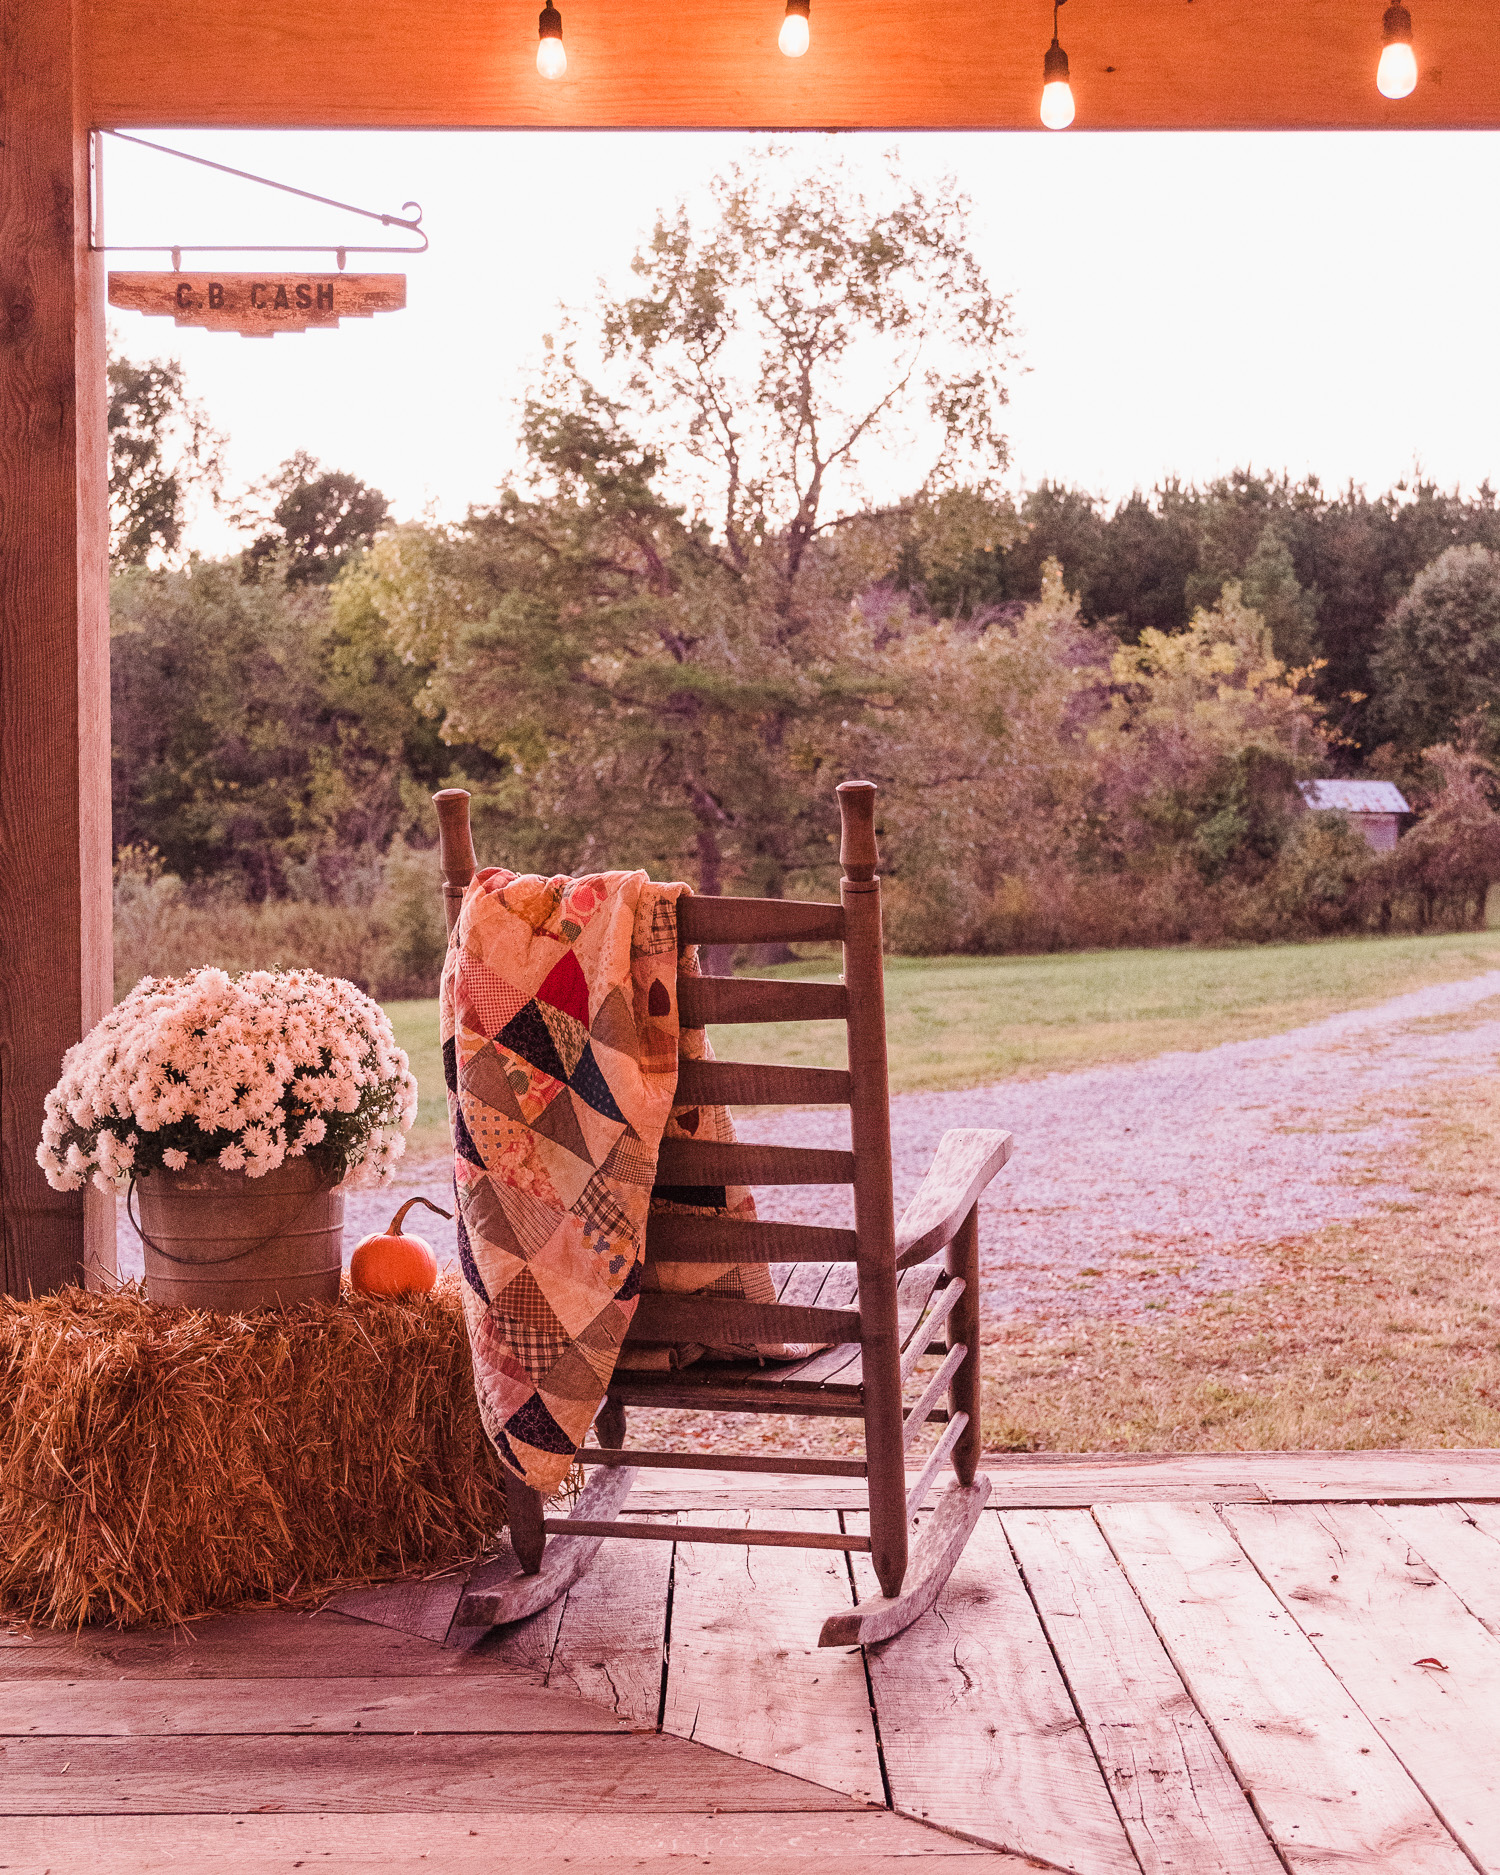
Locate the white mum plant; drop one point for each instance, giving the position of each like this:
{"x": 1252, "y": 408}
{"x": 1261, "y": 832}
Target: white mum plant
{"x": 243, "y": 1072}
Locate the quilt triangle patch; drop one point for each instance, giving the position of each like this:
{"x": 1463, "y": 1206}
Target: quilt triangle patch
{"x": 614, "y": 1026}
{"x": 566, "y": 989}
{"x": 558, "y": 1122}
{"x": 467, "y": 1264}
{"x": 485, "y": 1078}
{"x": 484, "y": 1206}
{"x": 528, "y": 1036}
{"x": 569, "y": 1037}
{"x": 588, "y": 1082}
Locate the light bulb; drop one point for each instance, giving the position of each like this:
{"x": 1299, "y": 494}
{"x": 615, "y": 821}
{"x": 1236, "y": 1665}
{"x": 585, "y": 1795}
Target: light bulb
{"x": 1057, "y": 93}
{"x": 1396, "y": 75}
{"x": 1057, "y": 105}
{"x": 551, "y": 58}
{"x": 796, "y": 29}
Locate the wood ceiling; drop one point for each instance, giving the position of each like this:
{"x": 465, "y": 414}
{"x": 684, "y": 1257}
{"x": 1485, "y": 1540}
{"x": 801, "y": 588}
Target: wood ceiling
{"x": 898, "y": 64}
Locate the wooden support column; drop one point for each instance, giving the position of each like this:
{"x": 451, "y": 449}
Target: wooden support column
{"x": 55, "y": 948}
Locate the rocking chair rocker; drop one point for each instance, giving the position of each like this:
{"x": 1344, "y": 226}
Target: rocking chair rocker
{"x": 877, "y": 1295}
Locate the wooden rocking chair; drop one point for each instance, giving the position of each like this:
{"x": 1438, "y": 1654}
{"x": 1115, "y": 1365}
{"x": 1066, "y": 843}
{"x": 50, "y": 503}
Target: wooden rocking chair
{"x": 878, "y": 1295}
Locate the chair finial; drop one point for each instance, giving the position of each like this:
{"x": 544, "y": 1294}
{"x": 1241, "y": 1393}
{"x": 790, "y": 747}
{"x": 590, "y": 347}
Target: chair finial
{"x": 455, "y": 847}
{"x": 859, "y": 855}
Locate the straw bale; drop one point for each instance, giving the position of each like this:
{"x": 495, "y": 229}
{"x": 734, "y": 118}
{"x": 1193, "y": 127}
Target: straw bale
{"x": 157, "y": 1463}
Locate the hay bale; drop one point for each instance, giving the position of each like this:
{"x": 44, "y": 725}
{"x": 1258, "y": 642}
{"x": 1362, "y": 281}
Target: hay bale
{"x": 157, "y": 1463}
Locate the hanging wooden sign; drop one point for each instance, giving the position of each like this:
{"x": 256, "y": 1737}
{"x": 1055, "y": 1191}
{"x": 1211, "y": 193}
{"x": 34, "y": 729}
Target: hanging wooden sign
{"x": 257, "y": 304}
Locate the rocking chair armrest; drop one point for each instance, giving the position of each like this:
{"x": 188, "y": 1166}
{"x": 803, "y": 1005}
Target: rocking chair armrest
{"x": 966, "y": 1160}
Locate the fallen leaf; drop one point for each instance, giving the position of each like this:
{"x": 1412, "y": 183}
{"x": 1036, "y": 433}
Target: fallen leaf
{"x": 1428, "y": 1660}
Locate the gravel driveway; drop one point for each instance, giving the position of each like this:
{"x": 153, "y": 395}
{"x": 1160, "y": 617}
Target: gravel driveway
{"x": 1145, "y": 1184}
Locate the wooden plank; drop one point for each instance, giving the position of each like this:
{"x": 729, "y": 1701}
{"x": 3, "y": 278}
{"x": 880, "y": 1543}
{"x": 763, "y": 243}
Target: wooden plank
{"x": 55, "y": 845}
{"x": 977, "y": 1728}
{"x": 567, "y": 1842}
{"x": 424, "y": 1608}
{"x": 1145, "y": 65}
{"x": 1181, "y": 1805}
{"x": 1326, "y": 1785}
{"x": 1374, "y": 1608}
{"x": 690, "y": 1162}
{"x": 840, "y": 1286}
{"x": 726, "y": 1321}
{"x": 755, "y": 1084}
{"x": 778, "y": 1701}
{"x": 174, "y": 1708}
{"x": 716, "y": 920}
{"x": 914, "y": 1289}
{"x": 701, "y": 1000}
{"x": 266, "y": 1644}
{"x": 526, "y": 1647}
{"x": 595, "y": 1772}
{"x": 1462, "y": 1543}
{"x": 1026, "y": 1480}
{"x": 611, "y": 1645}
{"x": 674, "y": 1237}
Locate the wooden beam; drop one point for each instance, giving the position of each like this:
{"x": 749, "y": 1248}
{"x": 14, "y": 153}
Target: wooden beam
{"x": 54, "y": 636}
{"x": 1136, "y": 65}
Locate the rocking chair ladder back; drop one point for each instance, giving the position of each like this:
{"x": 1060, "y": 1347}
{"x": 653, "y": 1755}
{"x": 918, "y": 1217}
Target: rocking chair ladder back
{"x": 876, "y": 1295}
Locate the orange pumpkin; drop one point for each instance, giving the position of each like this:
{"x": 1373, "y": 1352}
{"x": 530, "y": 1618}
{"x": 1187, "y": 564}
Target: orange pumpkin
{"x": 394, "y": 1262}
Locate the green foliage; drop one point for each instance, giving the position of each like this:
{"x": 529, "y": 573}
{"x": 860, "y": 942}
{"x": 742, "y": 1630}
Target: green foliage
{"x": 1321, "y": 869}
{"x": 312, "y": 520}
{"x": 1437, "y": 669}
{"x": 262, "y": 734}
{"x": 1323, "y": 568}
{"x": 160, "y": 445}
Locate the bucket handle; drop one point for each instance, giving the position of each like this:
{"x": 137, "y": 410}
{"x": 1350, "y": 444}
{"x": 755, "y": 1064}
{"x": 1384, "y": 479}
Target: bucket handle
{"x": 209, "y": 1263}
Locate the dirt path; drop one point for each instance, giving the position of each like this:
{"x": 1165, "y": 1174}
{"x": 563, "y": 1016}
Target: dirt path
{"x": 1143, "y": 1186}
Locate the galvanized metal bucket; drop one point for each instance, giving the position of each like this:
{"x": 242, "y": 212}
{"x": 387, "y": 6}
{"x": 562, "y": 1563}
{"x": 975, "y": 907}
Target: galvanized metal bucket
{"x": 218, "y": 1240}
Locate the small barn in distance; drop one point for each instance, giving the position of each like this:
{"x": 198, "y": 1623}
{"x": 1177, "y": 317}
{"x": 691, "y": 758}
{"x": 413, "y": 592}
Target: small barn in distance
{"x": 1374, "y": 807}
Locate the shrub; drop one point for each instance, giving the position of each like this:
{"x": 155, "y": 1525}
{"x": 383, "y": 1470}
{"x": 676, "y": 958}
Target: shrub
{"x": 389, "y": 942}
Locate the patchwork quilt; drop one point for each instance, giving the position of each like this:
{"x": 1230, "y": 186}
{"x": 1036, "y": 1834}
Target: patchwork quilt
{"x": 560, "y": 1047}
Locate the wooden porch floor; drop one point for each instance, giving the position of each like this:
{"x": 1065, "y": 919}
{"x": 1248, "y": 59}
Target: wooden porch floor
{"x": 1246, "y": 1663}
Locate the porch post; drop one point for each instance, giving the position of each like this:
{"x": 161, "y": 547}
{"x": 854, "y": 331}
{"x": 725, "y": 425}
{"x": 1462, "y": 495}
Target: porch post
{"x": 55, "y": 949}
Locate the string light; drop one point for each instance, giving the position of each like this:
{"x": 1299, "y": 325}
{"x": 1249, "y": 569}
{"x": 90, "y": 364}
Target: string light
{"x": 796, "y": 29}
{"x": 1057, "y": 93}
{"x": 551, "y": 57}
{"x": 1396, "y": 75}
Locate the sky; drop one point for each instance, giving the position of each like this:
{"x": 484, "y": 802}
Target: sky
{"x": 1183, "y": 303}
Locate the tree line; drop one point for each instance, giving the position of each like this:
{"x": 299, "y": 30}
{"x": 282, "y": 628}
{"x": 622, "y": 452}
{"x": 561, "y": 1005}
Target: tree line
{"x": 705, "y": 600}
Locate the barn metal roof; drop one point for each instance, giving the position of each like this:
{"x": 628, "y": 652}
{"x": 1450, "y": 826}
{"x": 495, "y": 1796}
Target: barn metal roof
{"x": 1354, "y": 797}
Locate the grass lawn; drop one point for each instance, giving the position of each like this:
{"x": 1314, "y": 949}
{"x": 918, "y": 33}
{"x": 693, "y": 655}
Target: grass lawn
{"x": 963, "y": 1021}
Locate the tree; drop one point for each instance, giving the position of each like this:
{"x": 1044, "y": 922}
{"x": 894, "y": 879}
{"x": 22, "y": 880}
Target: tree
{"x": 313, "y": 520}
{"x": 1438, "y": 662}
{"x": 161, "y": 445}
{"x": 804, "y": 332}
{"x": 1270, "y": 588}
{"x": 1205, "y": 734}
{"x": 674, "y": 672}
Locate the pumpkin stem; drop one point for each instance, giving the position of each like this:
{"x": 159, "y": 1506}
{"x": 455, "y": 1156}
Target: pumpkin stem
{"x": 400, "y": 1218}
